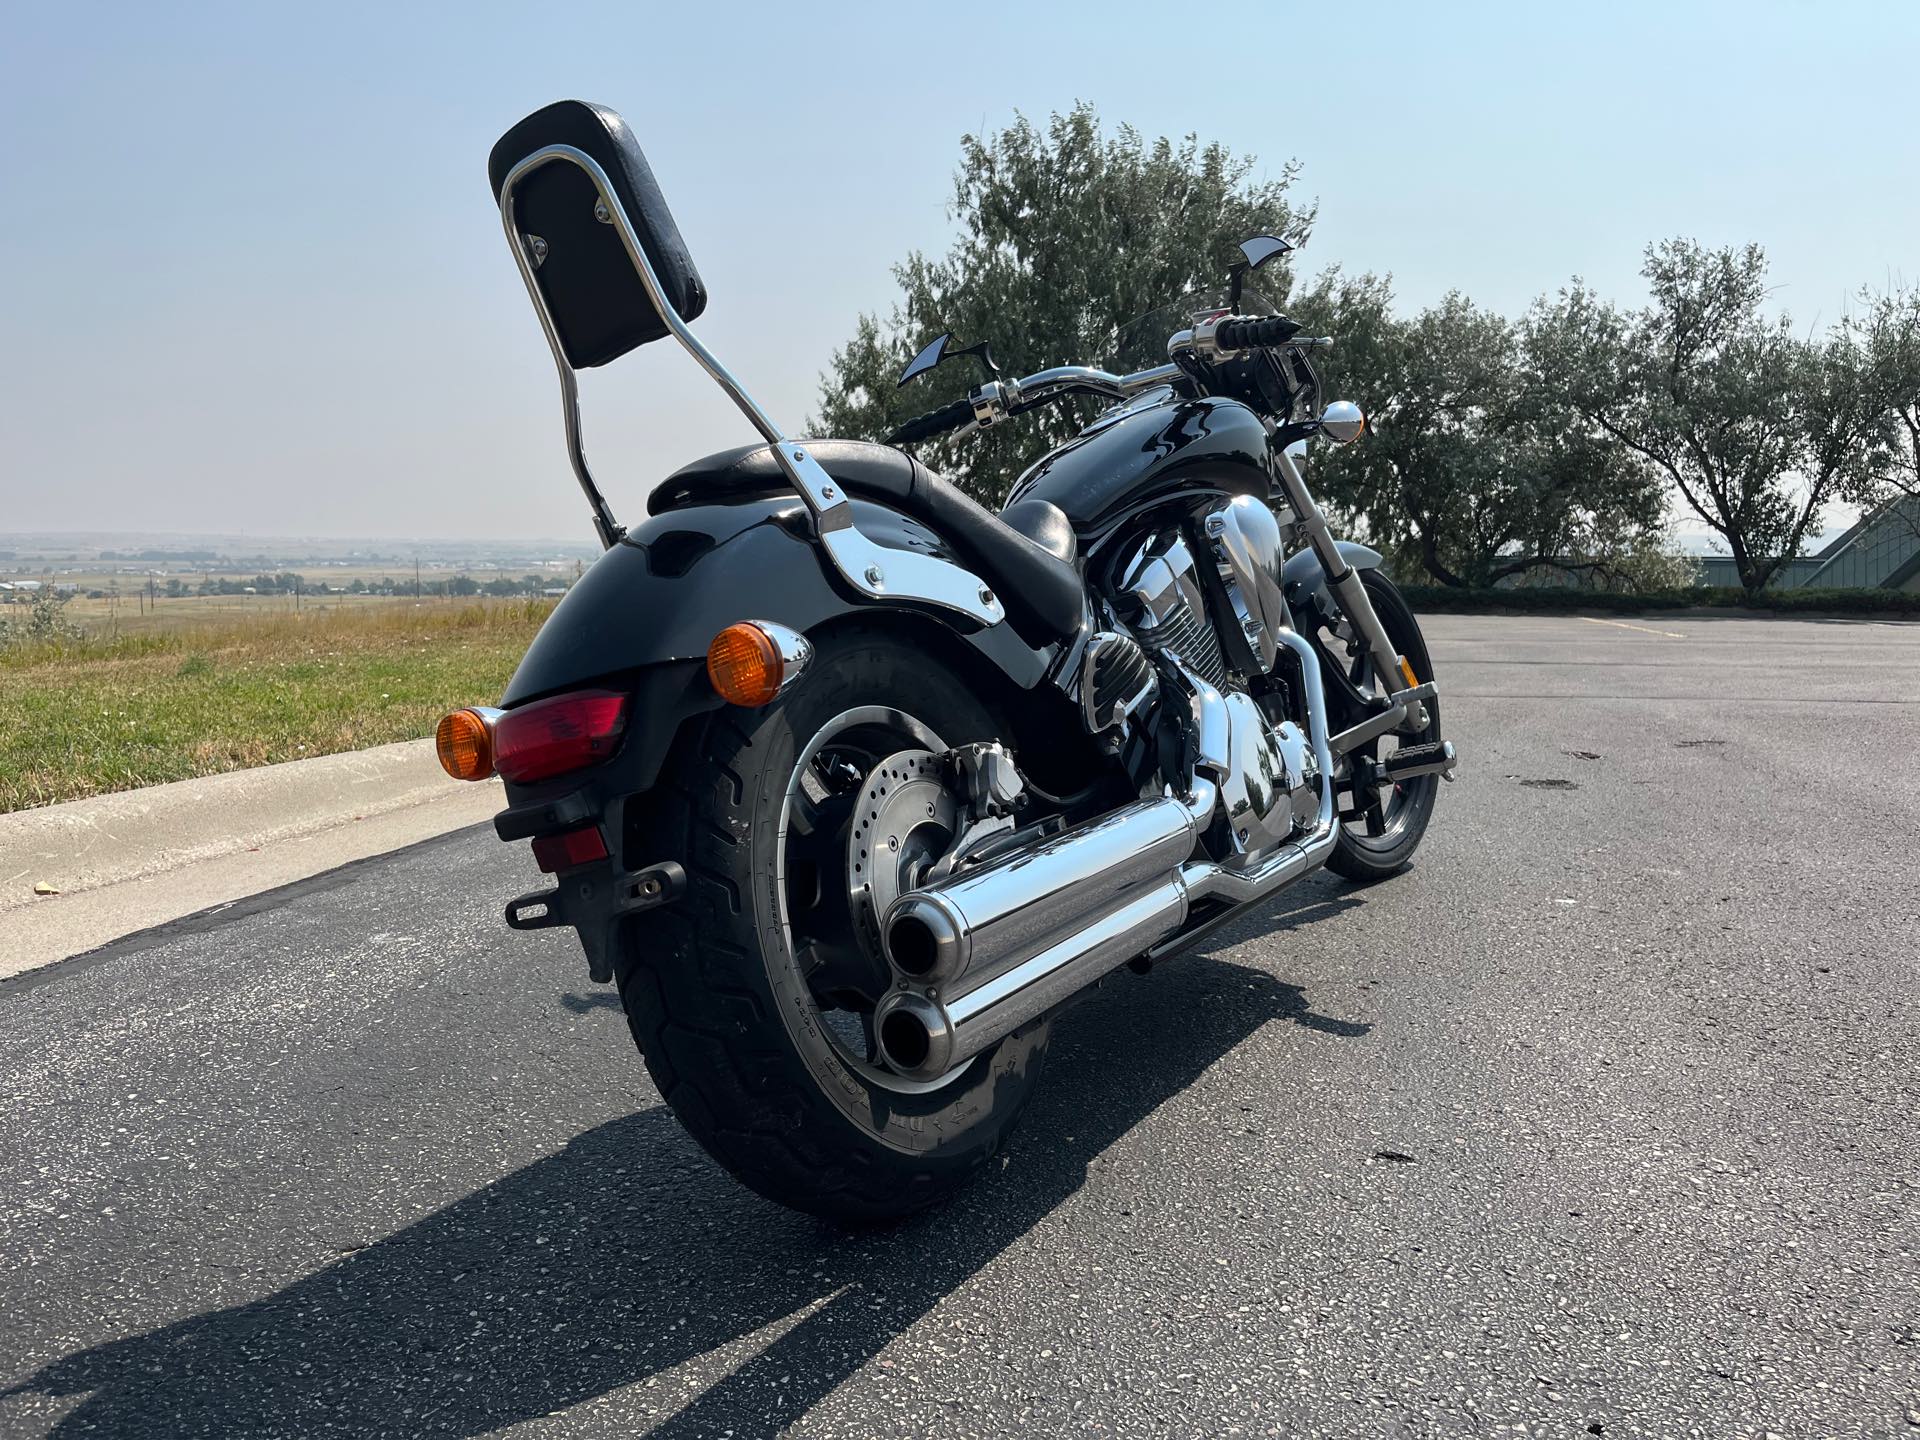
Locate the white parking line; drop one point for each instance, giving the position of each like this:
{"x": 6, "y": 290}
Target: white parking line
{"x": 1643, "y": 629}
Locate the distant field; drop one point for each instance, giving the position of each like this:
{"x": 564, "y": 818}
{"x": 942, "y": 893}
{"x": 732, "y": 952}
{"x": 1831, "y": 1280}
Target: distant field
{"x": 126, "y": 616}
{"x": 226, "y": 687}
{"x": 115, "y": 602}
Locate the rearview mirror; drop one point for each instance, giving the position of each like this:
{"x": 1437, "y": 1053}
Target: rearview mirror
{"x": 1255, "y": 251}
{"x": 927, "y": 358}
{"x": 1262, "y": 248}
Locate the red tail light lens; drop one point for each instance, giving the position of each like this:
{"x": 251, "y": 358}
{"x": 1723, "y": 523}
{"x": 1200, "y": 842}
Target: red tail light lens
{"x": 551, "y": 737}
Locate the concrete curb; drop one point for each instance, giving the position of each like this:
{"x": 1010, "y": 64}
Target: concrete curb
{"x": 140, "y": 858}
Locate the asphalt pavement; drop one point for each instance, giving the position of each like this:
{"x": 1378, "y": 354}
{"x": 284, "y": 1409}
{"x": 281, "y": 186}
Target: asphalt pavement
{"x": 1604, "y": 1119}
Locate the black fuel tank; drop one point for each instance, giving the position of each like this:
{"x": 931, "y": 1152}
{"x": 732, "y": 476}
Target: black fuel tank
{"x": 1127, "y": 460}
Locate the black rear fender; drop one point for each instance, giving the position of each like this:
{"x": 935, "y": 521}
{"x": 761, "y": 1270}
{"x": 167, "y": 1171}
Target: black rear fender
{"x": 672, "y": 584}
{"x": 641, "y": 618}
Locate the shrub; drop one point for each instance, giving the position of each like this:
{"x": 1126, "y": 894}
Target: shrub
{"x": 1559, "y": 601}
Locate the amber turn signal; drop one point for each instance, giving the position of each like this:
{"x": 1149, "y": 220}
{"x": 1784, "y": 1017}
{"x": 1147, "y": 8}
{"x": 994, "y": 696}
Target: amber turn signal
{"x": 465, "y": 745}
{"x": 745, "y": 665}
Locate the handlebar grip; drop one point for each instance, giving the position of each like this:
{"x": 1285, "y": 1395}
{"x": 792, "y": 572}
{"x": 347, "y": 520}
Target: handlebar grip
{"x": 934, "y": 422}
{"x": 1251, "y": 334}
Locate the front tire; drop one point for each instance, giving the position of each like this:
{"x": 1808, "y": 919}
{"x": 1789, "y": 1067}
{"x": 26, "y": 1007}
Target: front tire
{"x": 1381, "y": 843}
{"x": 763, "y": 1069}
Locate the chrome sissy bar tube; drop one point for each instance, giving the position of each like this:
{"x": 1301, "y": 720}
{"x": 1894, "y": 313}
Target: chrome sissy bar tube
{"x": 873, "y": 570}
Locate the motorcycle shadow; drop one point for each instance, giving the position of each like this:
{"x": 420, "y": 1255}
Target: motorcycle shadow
{"x": 628, "y": 1254}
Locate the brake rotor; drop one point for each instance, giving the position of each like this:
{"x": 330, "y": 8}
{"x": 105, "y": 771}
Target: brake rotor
{"x": 906, "y": 819}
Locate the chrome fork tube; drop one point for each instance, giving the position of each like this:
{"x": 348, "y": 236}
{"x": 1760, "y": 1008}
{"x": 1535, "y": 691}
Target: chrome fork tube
{"x": 1342, "y": 578}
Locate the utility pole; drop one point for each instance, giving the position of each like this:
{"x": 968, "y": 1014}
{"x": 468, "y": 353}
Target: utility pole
{"x": 416, "y": 577}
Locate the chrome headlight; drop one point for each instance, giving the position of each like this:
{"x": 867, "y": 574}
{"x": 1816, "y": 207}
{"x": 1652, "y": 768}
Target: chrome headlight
{"x": 1342, "y": 422}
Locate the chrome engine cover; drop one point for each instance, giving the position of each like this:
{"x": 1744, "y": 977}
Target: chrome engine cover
{"x": 1268, "y": 778}
{"x": 1248, "y": 548}
{"x": 1271, "y": 789}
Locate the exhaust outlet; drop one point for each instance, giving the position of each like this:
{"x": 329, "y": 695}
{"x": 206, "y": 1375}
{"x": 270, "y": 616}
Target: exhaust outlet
{"x": 998, "y": 915}
{"x": 923, "y": 1037}
{"x": 1002, "y": 944}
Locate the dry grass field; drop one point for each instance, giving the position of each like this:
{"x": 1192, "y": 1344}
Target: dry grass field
{"x": 209, "y": 684}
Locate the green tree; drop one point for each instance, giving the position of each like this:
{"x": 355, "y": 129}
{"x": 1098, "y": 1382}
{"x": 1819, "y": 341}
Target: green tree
{"x": 1474, "y": 471}
{"x": 1757, "y": 429}
{"x": 1067, "y": 233}
{"x": 1888, "y": 334}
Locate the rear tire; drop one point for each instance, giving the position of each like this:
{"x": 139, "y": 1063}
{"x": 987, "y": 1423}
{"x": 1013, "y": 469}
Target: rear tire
{"x": 718, "y": 1003}
{"x": 1358, "y": 855}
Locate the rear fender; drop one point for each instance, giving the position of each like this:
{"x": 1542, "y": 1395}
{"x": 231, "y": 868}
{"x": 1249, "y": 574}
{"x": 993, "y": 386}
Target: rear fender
{"x": 643, "y": 615}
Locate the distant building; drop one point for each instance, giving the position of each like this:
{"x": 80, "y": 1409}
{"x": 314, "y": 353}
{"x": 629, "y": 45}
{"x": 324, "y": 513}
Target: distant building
{"x": 1881, "y": 550}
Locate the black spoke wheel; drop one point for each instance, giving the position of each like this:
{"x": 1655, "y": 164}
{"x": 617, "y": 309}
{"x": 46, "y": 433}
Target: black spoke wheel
{"x": 1378, "y": 839}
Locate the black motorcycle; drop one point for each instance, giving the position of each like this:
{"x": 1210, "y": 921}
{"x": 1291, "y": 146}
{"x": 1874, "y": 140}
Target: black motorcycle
{"x": 850, "y": 783}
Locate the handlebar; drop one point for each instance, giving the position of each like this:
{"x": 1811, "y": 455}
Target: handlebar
{"x": 934, "y": 422}
{"x": 998, "y": 400}
{"x": 1250, "y": 333}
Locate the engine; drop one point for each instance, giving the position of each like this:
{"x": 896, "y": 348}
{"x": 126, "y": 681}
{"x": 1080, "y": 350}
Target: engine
{"x": 1268, "y": 778}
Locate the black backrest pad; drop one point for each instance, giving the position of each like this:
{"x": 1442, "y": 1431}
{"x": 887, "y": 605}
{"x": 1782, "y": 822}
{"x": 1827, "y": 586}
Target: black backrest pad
{"x": 598, "y": 301}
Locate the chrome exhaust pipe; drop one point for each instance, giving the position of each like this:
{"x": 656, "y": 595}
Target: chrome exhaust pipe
{"x": 998, "y": 947}
{"x": 1209, "y": 879}
{"x": 924, "y": 1035}
{"x": 988, "y": 919}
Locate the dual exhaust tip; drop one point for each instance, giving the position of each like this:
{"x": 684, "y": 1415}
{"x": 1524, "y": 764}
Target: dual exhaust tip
{"x": 988, "y": 951}
{"x": 913, "y": 1030}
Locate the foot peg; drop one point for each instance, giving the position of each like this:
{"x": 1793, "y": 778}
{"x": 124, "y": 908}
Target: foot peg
{"x": 1395, "y": 714}
{"x": 1412, "y": 761}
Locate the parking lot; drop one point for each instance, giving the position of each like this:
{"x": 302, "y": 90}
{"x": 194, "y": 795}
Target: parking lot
{"x": 1601, "y": 1120}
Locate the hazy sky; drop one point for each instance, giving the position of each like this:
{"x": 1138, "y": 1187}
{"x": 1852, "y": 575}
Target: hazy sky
{"x": 255, "y": 282}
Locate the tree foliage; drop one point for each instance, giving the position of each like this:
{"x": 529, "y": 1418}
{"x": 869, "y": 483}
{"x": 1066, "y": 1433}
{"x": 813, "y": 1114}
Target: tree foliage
{"x": 1500, "y": 451}
{"x": 1888, "y": 336}
{"x": 1474, "y": 470}
{"x": 1757, "y": 429}
{"x": 1067, "y": 234}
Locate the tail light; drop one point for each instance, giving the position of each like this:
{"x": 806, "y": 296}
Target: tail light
{"x": 551, "y": 737}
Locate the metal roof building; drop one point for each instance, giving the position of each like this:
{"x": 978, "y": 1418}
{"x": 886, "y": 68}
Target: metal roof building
{"x": 1880, "y": 550}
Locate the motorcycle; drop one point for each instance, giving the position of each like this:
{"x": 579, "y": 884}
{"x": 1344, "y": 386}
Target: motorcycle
{"x": 850, "y": 784}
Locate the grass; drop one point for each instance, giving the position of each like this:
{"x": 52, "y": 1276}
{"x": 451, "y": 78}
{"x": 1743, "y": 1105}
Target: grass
{"x": 86, "y": 715}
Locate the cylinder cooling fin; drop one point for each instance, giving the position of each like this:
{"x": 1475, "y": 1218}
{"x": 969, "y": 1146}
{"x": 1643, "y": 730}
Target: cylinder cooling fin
{"x": 1161, "y": 601}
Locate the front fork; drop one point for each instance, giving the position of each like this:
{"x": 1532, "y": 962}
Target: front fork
{"x": 1400, "y": 706}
